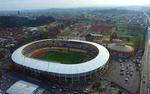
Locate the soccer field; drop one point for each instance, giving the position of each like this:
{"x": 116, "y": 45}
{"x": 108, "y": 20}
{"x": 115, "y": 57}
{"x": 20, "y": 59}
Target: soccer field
{"x": 64, "y": 57}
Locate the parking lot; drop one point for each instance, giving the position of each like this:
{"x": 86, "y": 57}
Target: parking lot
{"x": 125, "y": 75}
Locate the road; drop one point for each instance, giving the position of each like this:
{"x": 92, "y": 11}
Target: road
{"x": 145, "y": 74}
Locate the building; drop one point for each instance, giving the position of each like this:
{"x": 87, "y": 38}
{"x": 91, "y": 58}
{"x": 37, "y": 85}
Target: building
{"x": 96, "y": 60}
{"x": 116, "y": 41}
{"x": 121, "y": 48}
{"x": 22, "y": 87}
{"x": 101, "y": 28}
{"x": 94, "y": 38}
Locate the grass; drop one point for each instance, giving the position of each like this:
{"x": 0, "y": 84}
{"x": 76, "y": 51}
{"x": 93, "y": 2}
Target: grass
{"x": 64, "y": 57}
{"x": 65, "y": 33}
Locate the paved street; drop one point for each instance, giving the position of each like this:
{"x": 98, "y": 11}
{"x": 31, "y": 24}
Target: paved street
{"x": 145, "y": 76}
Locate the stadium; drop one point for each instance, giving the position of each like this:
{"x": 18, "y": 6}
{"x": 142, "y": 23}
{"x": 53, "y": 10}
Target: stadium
{"x": 68, "y": 61}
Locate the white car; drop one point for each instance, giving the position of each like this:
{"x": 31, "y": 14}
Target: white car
{"x": 121, "y": 73}
{"x": 126, "y": 79}
{"x": 122, "y": 69}
{"x": 60, "y": 90}
{"x": 53, "y": 87}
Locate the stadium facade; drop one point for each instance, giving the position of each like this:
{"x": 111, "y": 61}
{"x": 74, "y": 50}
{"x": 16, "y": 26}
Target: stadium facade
{"x": 96, "y": 60}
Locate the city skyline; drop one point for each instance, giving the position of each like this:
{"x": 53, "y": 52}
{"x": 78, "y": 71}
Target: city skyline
{"x": 44, "y": 4}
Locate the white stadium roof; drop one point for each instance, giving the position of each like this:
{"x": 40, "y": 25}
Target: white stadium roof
{"x": 100, "y": 60}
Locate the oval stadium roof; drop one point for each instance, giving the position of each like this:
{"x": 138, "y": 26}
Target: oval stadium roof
{"x": 100, "y": 60}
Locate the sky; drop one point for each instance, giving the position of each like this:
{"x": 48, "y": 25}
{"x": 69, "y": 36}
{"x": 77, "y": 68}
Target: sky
{"x": 44, "y": 4}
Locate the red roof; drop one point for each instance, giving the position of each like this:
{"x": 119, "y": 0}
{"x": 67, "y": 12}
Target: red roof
{"x": 101, "y": 27}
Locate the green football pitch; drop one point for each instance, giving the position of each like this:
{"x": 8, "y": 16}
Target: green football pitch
{"x": 64, "y": 57}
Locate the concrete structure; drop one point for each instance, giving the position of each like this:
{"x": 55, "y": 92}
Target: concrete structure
{"x": 116, "y": 41}
{"x": 97, "y": 61}
{"x": 22, "y": 87}
{"x": 121, "y": 48}
{"x": 94, "y": 38}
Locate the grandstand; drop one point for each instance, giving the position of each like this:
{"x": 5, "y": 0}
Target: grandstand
{"x": 84, "y": 60}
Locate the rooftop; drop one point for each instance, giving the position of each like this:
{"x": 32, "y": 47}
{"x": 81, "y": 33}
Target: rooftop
{"x": 100, "y": 60}
{"x": 22, "y": 87}
{"x": 120, "y": 47}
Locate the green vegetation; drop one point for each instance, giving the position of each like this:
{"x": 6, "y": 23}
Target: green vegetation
{"x": 2, "y": 55}
{"x": 66, "y": 33}
{"x": 16, "y": 21}
{"x": 120, "y": 92}
{"x": 131, "y": 34}
{"x": 113, "y": 35}
{"x": 98, "y": 84}
{"x": 64, "y": 57}
{"x": 1, "y": 73}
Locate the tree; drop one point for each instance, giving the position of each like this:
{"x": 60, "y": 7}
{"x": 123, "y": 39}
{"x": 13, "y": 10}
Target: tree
{"x": 137, "y": 42}
{"x": 89, "y": 37}
{"x": 113, "y": 35}
{"x": 98, "y": 84}
{"x": 0, "y": 73}
{"x": 16, "y": 21}
{"x": 1, "y": 56}
{"x": 120, "y": 92}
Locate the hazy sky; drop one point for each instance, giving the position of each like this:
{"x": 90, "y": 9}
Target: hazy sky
{"x": 40, "y": 4}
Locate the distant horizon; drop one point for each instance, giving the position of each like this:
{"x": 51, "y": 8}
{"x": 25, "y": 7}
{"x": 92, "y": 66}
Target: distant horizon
{"x": 10, "y": 5}
{"x": 102, "y": 7}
